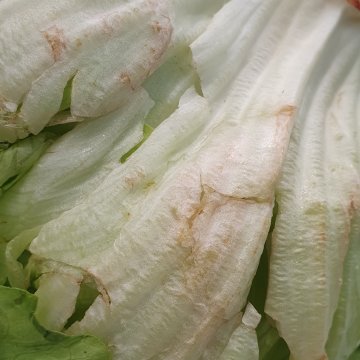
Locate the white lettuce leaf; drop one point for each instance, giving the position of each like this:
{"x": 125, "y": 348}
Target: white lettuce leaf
{"x": 106, "y": 49}
{"x": 72, "y": 167}
{"x": 318, "y": 196}
{"x": 17, "y": 159}
{"x": 162, "y": 205}
{"x": 175, "y": 234}
{"x": 243, "y": 344}
{"x": 344, "y": 335}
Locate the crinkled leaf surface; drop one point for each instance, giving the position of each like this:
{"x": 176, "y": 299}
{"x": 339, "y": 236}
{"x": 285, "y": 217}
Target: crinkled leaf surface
{"x": 184, "y": 220}
{"x": 318, "y": 197}
{"x": 72, "y": 167}
{"x": 344, "y": 336}
{"x": 78, "y": 40}
{"x": 172, "y": 236}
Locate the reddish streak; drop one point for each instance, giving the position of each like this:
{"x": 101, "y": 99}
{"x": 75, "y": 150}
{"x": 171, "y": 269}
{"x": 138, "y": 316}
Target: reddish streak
{"x": 354, "y": 3}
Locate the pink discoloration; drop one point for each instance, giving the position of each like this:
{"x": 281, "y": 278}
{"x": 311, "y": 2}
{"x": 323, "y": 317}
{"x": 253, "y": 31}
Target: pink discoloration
{"x": 156, "y": 26}
{"x": 56, "y": 39}
{"x": 354, "y": 3}
{"x": 125, "y": 79}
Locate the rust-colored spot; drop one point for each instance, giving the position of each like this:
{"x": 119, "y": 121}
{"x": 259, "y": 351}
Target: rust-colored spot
{"x": 156, "y": 26}
{"x": 354, "y": 3}
{"x": 283, "y": 124}
{"x": 135, "y": 178}
{"x": 55, "y": 38}
{"x": 174, "y": 212}
{"x": 149, "y": 184}
{"x": 226, "y": 241}
{"x": 286, "y": 110}
{"x": 354, "y": 204}
{"x": 185, "y": 239}
{"x": 106, "y": 27}
{"x": 322, "y": 237}
{"x": 78, "y": 43}
{"x": 125, "y": 79}
{"x": 211, "y": 256}
{"x": 155, "y": 53}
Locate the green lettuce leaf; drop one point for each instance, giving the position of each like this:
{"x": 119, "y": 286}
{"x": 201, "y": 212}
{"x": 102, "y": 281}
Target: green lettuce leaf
{"x": 344, "y": 335}
{"x": 17, "y": 160}
{"x": 22, "y": 338}
{"x": 3, "y": 272}
{"x": 72, "y": 167}
{"x": 271, "y": 345}
{"x": 355, "y": 355}
{"x": 73, "y": 62}
{"x": 149, "y": 236}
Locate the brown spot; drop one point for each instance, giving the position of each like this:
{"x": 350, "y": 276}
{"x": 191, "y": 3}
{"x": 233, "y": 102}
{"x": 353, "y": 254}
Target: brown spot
{"x": 286, "y": 110}
{"x": 185, "y": 239}
{"x": 156, "y": 26}
{"x": 354, "y": 3}
{"x": 148, "y": 72}
{"x": 78, "y": 43}
{"x": 106, "y": 27}
{"x": 199, "y": 209}
{"x": 174, "y": 213}
{"x": 354, "y": 203}
{"x": 149, "y": 184}
{"x": 226, "y": 241}
{"x": 55, "y": 38}
{"x": 322, "y": 236}
{"x": 155, "y": 53}
{"x": 284, "y": 123}
{"x": 125, "y": 79}
{"x": 352, "y": 206}
{"x": 134, "y": 179}
{"x": 211, "y": 256}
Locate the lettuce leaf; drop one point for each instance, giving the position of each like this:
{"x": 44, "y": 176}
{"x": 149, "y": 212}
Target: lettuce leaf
{"x": 344, "y": 335}
{"x": 16, "y": 160}
{"x": 23, "y": 338}
{"x": 355, "y": 355}
{"x": 318, "y": 196}
{"x": 144, "y": 225}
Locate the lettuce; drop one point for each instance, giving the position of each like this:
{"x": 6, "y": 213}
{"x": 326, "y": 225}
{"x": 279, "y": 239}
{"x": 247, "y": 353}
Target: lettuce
{"x": 318, "y": 197}
{"x": 16, "y": 160}
{"x": 204, "y": 202}
{"x": 22, "y": 337}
